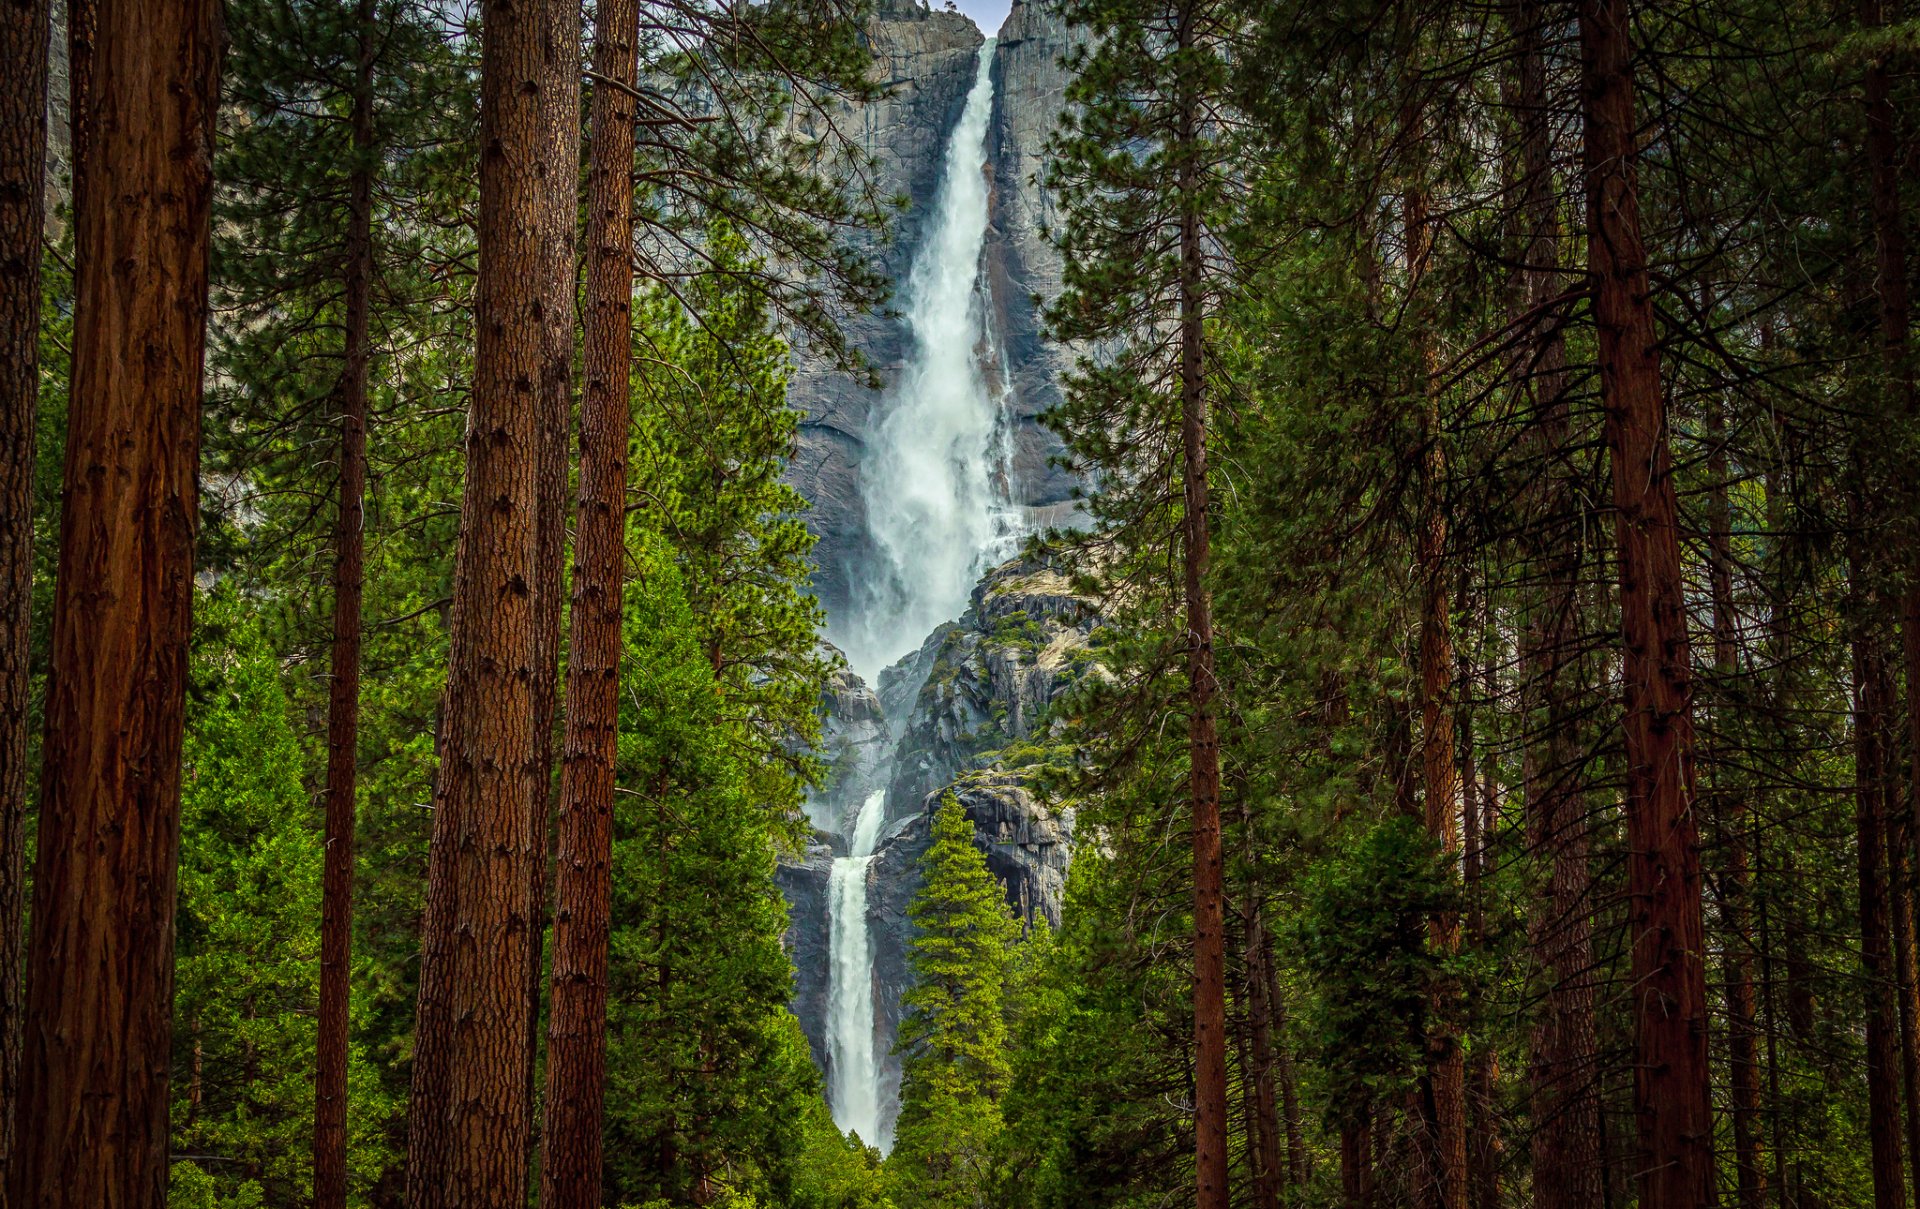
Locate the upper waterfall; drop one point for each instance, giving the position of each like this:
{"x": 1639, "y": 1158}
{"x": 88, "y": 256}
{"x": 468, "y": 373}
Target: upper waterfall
{"x": 934, "y": 478}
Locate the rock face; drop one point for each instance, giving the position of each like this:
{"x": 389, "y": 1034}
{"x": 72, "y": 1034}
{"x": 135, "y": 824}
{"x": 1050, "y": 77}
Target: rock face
{"x": 990, "y": 677}
{"x": 928, "y": 59}
{"x": 974, "y": 687}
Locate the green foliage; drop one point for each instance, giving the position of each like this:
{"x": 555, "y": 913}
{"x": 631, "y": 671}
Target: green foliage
{"x": 248, "y": 941}
{"x": 954, "y": 1034}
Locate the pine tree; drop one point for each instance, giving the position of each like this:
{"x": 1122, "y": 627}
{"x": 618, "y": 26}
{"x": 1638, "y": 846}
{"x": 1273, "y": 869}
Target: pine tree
{"x": 953, "y": 1035}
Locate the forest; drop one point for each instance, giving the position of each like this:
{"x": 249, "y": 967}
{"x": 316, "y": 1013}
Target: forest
{"x": 1452, "y": 586}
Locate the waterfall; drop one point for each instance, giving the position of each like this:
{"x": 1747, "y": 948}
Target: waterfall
{"x": 934, "y": 479}
{"x": 855, "y": 1098}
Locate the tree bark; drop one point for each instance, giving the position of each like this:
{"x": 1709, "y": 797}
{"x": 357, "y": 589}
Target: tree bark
{"x": 24, "y": 33}
{"x": 560, "y": 212}
{"x": 1672, "y": 1104}
{"x": 99, "y": 1014}
{"x": 570, "y": 1173}
{"x": 343, "y": 694}
{"x": 469, "y": 1111}
{"x": 1209, "y": 941}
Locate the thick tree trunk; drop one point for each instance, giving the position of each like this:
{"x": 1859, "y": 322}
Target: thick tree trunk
{"x": 99, "y": 1015}
{"x": 577, "y": 1014}
{"x": 1873, "y": 700}
{"x": 560, "y": 213}
{"x": 343, "y": 695}
{"x": 23, "y": 156}
{"x": 1733, "y": 818}
{"x": 1672, "y": 1103}
{"x": 469, "y": 1111}
{"x": 1209, "y": 940}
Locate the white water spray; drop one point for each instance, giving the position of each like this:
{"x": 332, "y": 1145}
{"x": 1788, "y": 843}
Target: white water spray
{"x": 934, "y": 480}
{"x": 855, "y": 1098}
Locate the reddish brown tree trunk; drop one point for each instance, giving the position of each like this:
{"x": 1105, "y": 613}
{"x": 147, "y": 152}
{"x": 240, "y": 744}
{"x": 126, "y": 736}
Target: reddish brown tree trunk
{"x": 1209, "y": 913}
{"x": 343, "y": 696}
{"x": 560, "y": 212}
{"x": 469, "y": 1110}
{"x": 1732, "y": 815}
{"x": 577, "y": 1013}
{"x": 23, "y": 156}
{"x": 1672, "y": 1104}
{"x": 99, "y": 1015}
{"x": 1873, "y": 695}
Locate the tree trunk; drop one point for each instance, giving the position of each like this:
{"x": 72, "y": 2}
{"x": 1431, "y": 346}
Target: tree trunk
{"x": 469, "y": 1110}
{"x": 1733, "y": 818}
{"x": 99, "y": 1015}
{"x": 560, "y": 212}
{"x": 1873, "y": 694}
{"x": 343, "y": 695}
{"x": 1890, "y": 247}
{"x": 1209, "y": 941}
{"x": 1672, "y": 1103}
{"x": 23, "y": 155}
{"x": 577, "y": 1013}
{"x": 1289, "y": 1087}
{"x": 1356, "y": 1164}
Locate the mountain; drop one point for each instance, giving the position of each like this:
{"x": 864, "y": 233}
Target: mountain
{"x": 927, "y": 60}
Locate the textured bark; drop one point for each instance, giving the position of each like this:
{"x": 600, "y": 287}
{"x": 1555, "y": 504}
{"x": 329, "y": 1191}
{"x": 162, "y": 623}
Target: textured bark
{"x": 1203, "y": 789}
{"x": 343, "y": 689}
{"x": 1734, "y": 821}
{"x": 1672, "y": 1105}
{"x": 570, "y": 1171}
{"x": 469, "y": 1111}
{"x": 1873, "y": 695}
{"x": 23, "y": 156}
{"x": 99, "y": 1015}
{"x": 560, "y": 213}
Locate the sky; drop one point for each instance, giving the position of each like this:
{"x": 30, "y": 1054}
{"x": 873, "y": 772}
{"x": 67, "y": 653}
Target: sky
{"x": 987, "y": 14}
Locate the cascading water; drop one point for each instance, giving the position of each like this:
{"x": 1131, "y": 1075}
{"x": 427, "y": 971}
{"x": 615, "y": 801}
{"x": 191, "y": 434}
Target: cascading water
{"x": 934, "y": 480}
{"x": 850, "y": 1048}
{"x": 935, "y": 486}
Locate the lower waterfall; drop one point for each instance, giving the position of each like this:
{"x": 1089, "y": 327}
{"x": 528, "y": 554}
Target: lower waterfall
{"x": 850, "y": 1043}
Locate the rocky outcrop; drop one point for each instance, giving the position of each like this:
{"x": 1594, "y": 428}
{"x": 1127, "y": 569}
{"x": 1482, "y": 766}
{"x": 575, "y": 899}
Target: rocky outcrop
{"x": 854, "y": 744}
{"x": 1023, "y": 268}
{"x": 991, "y": 677}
